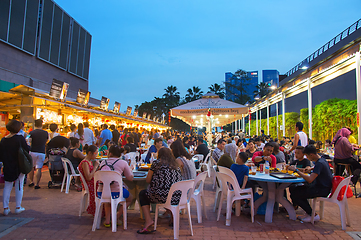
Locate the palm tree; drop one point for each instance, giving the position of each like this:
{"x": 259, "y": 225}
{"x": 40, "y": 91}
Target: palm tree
{"x": 217, "y": 89}
{"x": 262, "y": 89}
{"x": 172, "y": 96}
{"x": 193, "y": 93}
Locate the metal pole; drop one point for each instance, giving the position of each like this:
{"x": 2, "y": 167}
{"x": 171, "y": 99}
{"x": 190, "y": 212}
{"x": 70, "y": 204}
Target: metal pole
{"x": 243, "y": 124}
{"x": 260, "y": 121}
{"x": 267, "y": 117}
{"x": 277, "y": 118}
{"x": 249, "y": 122}
{"x": 358, "y": 92}
{"x": 283, "y": 114}
{"x": 309, "y": 92}
{"x": 257, "y": 122}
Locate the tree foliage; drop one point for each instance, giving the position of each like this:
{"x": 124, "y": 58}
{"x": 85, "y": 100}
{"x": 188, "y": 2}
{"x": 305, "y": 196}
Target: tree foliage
{"x": 262, "y": 89}
{"x": 217, "y": 89}
{"x": 193, "y": 94}
{"x": 239, "y": 88}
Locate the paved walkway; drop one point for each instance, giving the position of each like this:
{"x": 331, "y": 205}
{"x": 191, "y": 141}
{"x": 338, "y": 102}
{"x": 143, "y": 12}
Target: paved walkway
{"x": 55, "y": 216}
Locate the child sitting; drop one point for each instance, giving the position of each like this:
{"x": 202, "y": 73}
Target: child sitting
{"x": 241, "y": 170}
{"x": 301, "y": 163}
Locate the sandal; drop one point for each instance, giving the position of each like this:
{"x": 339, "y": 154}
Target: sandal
{"x": 145, "y": 231}
{"x": 107, "y": 225}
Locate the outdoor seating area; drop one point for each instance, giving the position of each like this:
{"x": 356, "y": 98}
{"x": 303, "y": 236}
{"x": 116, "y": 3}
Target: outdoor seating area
{"x": 55, "y": 215}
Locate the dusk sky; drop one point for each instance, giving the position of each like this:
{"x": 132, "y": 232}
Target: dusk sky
{"x": 141, "y": 47}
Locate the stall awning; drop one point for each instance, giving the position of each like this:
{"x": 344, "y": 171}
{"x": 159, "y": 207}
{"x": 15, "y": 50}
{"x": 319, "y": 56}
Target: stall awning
{"x": 223, "y": 111}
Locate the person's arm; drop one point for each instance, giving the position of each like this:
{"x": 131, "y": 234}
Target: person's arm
{"x": 180, "y": 164}
{"x": 88, "y": 175}
{"x": 257, "y": 158}
{"x": 128, "y": 173}
{"x": 295, "y": 143}
{"x": 24, "y": 145}
{"x": 78, "y": 154}
{"x": 149, "y": 176}
{"x": 245, "y": 179}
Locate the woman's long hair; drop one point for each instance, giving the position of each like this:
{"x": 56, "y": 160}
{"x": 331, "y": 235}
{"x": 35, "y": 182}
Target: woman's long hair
{"x": 80, "y": 129}
{"x": 166, "y": 157}
{"x": 179, "y": 150}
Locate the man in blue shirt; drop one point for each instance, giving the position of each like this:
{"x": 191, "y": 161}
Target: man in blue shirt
{"x": 106, "y": 134}
{"x": 241, "y": 170}
{"x": 158, "y": 144}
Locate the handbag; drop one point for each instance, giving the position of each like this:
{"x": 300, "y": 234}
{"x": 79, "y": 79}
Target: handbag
{"x": 25, "y": 161}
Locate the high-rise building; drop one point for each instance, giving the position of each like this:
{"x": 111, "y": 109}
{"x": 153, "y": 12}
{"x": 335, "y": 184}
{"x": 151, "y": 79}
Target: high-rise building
{"x": 230, "y": 82}
{"x": 39, "y": 43}
{"x": 270, "y": 77}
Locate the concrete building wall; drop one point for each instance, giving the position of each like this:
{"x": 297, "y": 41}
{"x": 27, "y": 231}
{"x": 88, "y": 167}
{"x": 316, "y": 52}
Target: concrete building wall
{"x": 19, "y": 67}
{"x": 343, "y": 87}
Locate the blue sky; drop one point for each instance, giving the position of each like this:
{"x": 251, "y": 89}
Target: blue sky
{"x": 139, "y": 47}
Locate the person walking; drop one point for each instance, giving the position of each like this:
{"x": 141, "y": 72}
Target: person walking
{"x": 9, "y": 148}
{"x": 37, "y": 139}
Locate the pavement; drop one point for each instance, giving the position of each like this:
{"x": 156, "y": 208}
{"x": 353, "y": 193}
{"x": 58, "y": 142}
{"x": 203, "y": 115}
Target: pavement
{"x": 51, "y": 214}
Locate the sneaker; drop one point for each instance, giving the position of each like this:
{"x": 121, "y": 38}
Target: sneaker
{"x": 308, "y": 219}
{"x": 6, "y": 211}
{"x": 19, "y": 210}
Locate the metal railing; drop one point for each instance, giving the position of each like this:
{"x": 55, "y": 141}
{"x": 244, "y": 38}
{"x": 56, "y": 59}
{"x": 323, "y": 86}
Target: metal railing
{"x": 327, "y": 46}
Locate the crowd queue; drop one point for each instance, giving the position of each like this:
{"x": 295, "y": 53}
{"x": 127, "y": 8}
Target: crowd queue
{"x": 170, "y": 154}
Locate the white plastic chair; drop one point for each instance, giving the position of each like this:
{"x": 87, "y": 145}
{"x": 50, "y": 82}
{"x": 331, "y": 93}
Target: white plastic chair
{"x": 85, "y": 195}
{"x": 343, "y": 205}
{"x": 221, "y": 191}
{"x": 184, "y": 187}
{"x": 67, "y": 176}
{"x": 199, "y": 157}
{"x": 107, "y": 177}
{"x": 207, "y": 164}
{"x": 227, "y": 176}
{"x": 218, "y": 188}
{"x": 144, "y": 155}
{"x": 198, "y": 195}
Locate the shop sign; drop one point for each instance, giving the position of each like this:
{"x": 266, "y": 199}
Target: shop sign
{"x": 83, "y": 97}
{"x": 104, "y": 103}
{"x": 129, "y": 111}
{"x": 56, "y": 89}
{"x": 116, "y": 108}
{"x": 135, "y": 114}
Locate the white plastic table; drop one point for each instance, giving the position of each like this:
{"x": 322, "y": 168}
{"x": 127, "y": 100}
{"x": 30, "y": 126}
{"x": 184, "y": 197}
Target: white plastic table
{"x": 273, "y": 189}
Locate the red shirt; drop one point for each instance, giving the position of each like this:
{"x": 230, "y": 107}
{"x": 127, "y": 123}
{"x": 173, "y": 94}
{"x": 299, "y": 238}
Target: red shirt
{"x": 260, "y": 154}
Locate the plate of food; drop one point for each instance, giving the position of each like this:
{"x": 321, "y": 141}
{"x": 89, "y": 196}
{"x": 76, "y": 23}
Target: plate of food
{"x": 144, "y": 167}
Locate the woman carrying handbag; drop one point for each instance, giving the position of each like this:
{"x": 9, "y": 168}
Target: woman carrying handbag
{"x": 9, "y": 152}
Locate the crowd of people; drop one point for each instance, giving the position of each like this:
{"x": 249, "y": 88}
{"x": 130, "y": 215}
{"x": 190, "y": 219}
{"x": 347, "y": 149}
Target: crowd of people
{"x": 170, "y": 154}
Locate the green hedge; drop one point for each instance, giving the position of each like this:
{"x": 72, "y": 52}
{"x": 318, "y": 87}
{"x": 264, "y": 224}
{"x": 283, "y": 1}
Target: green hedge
{"x": 327, "y": 117}
{"x": 291, "y": 119}
{"x": 331, "y": 115}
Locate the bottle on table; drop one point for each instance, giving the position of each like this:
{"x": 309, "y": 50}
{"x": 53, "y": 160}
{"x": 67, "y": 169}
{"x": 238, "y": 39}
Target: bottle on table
{"x": 266, "y": 168}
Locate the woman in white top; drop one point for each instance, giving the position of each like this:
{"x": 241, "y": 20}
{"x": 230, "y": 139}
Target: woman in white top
{"x": 73, "y": 131}
{"x": 53, "y": 128}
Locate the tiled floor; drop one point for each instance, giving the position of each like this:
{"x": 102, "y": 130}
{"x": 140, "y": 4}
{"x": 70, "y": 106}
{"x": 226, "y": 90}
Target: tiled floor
{"x": 55, "y": 216}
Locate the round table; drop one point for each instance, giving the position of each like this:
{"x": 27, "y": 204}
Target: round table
{"x": 273, "y": 189}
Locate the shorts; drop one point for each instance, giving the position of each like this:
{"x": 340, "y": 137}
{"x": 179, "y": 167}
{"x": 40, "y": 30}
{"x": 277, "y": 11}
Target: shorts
{"x": 116, "y": 194}
{"x": 38, "y": 159}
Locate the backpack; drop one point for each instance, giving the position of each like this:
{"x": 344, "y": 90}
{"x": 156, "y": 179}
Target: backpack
{"x": 110, "y": 166}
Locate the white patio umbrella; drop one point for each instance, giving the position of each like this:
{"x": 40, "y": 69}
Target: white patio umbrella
{"x": 209, "y": 111}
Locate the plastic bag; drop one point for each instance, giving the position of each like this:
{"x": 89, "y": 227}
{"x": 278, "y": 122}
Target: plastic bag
{"x": 335, "y": 182}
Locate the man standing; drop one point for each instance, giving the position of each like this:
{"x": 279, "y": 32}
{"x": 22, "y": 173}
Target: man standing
{"x": 231, "y": 149}
{"x": 320, "y": 183}
{"x": 241, "y": 134}
{"x": 89, "y": 138}
{"x": 265, "y": 155}
{"x": 158, "y": 144}
{"x": 115, "y": 134}
{"x": 106, "y": 134}
{"x": 219, "y": 151}
{"x": 38, "y": 138}
{"x": 300, "y": 138}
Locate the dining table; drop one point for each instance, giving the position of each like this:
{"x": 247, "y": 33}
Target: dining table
{"x": 273, "y": 192}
